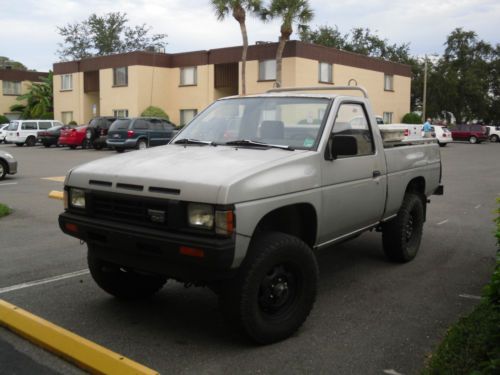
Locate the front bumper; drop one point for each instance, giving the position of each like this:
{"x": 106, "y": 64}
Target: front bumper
{"x": 12, "y": 165}
{"x": 153, "y": 250}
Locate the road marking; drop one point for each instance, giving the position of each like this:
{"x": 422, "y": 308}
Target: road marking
{"x": 479, "y": 205}
{"x": 56, "y": 179}
{"x": 9, "y": 183}
{"x": 442, "y": 222}
{"x": 392, "y": 372}
{"x": 470, "y": 296}
{"x": 54, "y": 194}
{"x": 84, "y": 353}
{"x": 47, "y": 280}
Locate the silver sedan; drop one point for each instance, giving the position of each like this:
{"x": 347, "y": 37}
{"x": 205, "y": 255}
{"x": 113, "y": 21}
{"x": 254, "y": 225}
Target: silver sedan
{"x": 8, "y": 165}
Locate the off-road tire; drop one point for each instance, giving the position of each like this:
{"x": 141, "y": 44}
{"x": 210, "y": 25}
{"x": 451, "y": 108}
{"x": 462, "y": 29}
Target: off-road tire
{"x": 275, "y": 289}
{"x": 122, "y": 282}
{"x": 3, "y": 169}
{"x": 402, "y": 235}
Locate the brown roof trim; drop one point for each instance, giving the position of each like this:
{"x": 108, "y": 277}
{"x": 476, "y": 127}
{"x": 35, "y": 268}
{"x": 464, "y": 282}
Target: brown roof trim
{"x": 21, "y": 75}
{"x": 227, "y": 55}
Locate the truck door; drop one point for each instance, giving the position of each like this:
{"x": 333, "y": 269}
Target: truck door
{"x": 354, "y": 186}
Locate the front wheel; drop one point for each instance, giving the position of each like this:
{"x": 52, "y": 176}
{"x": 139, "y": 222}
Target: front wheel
{"x": 119, "y": 150}
{"x": 3, "y": 170}
{"x": 473, "y": 140}
{"x": 494, "y": 138}
{"x": 441, "y": 144}
{"x": 122, "y": 282}
{"x": 402, "y": 235}
{"x": 275, "y": 289}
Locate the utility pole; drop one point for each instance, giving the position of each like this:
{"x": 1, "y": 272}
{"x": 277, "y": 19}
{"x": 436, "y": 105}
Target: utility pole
{"x": 425, "y": 90}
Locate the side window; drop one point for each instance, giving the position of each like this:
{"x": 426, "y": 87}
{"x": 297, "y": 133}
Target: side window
{"x": 351, "y": 121}
{"x": 44, "y": 125}
{"x": 156, "y": 125}
{"x": 29, "y": 126}
{"x": 167, "y": 125}
{"x": 141, "y": 125}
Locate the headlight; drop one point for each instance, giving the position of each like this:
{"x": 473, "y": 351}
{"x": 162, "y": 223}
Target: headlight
{"x": 77, "y": 198}
{"x": 201, "y": 215}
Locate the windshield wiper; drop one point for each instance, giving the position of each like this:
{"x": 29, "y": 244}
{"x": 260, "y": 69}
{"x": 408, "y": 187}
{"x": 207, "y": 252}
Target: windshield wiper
{"x": 249, "y": 142}
{"x": 191, "y": 141}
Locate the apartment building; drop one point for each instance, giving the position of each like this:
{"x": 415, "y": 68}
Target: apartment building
{"x": 14, "y": 83}
{"x": 183, "y": 84}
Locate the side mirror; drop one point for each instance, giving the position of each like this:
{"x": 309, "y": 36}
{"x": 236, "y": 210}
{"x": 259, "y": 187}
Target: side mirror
{"x": 341, "y": 145}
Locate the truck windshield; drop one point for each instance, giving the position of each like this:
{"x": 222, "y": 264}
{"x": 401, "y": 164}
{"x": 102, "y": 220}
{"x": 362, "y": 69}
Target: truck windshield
{"x": 13, "y": 125}
{"x": 287, "y": 121}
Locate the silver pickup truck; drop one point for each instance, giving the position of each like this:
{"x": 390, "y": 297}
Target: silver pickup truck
{"x": 242, "y": 197}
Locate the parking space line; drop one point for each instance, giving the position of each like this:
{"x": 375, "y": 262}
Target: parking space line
{"x": 470, "y": 296}
{"x": 47, "y": 280}
{"x": 442, "y": 222}
{"x": 479, "y": 205}
{"x": 392, "y": 372}
{"x": 9, "y": 183}
{"x": 84, "y": 353}
{"x": 56, "y": 179}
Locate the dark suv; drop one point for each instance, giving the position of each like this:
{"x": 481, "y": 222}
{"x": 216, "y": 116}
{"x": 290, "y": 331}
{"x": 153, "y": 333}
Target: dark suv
{"x": 97, "y": 131}
{"x": 139, "y": 133}
{"x": 474, "y": 133}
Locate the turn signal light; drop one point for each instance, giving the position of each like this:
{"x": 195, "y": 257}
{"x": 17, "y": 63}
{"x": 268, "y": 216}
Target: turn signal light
{"x": 192, "y": 252}
{"x": 70, "y": 227}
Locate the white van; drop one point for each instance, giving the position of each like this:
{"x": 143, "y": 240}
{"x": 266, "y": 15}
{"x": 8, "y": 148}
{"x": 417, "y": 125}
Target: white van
{"x": 25, "y": 131}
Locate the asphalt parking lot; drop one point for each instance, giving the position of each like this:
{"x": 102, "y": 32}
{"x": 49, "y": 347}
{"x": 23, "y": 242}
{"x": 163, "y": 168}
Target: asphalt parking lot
{"x": 371, "y": 316}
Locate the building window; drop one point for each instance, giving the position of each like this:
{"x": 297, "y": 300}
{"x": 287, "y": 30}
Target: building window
{"x": 187, "y": 115}
{"x": 388, "y": 82}
{"x": 325, "y": 72}
{"x": 267, "y": 70}
{"x": 120, "y": 76}
{"x": 189, "y": 76}
{"x": 387, "y": 117}
{"x": 11, "y": 87}
{"x": 67, "y": 82}
{"x": 66, "y": 117}
{"x": 120, "y": 112}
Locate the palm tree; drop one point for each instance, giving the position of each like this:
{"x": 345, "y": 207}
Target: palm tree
{"x": 290, "y": 12}
{"x": 38, "y": 98}
{"x": 238, "y": 8}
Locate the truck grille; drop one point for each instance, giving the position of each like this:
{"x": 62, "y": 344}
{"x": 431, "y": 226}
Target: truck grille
{"x": 129, "y": 209}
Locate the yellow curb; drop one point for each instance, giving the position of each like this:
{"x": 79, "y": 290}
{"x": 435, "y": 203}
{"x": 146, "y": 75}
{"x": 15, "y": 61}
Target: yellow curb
{"x": 54, "y": 194}
{"x": 74, "y": 348}
{"x": 55, "y": 179}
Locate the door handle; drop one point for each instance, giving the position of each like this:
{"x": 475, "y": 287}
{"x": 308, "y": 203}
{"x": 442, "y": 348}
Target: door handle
{"x": 376, "y": 174}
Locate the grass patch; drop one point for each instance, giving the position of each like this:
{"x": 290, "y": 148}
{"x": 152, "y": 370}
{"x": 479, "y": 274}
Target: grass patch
{"x": 4, "y": 210}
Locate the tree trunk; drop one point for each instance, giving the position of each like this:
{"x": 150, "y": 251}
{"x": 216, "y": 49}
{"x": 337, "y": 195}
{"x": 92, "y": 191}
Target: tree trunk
{"x": 279, "y": 58}
{"x": 244, "y": 35}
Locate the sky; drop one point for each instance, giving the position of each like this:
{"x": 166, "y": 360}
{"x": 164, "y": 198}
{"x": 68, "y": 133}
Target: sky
{"x": 28, "y": 33}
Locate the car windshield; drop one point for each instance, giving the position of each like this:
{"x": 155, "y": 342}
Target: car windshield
{"x": 286, "y": 121}
{"x": 120, "y": 125}
{"x": 13, "y": 125}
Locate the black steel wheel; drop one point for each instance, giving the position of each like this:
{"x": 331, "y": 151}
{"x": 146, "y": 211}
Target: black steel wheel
{"x": 122, "y": 282}
{"x": 275, "y": 289}
{"x": 401, "y": 236}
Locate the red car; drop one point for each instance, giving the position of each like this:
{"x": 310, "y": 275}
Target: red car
{"x": 473, "y": 133}
{"x": 74, "y": 137}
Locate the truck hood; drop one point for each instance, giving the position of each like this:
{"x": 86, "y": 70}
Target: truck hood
{"x": 220, "y": 175}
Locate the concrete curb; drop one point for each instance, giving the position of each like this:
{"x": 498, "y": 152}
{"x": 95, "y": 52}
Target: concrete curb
{"x": 54, "y": 194}
{"x": 82, "y": 352}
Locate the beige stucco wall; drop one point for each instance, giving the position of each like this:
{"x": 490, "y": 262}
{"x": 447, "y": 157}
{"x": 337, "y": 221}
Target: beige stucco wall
{"x": 6, "y": 101}
{"x": 69, "y": 100}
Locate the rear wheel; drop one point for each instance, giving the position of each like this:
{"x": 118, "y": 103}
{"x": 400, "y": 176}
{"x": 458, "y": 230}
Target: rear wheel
{"x": 31, "y": 141}
{"x": 473, "y": 140}
{"x": 119, "y": 150}
{"x": 19, "y": 144}
{"x": 3, "y": 169}
{"x": 141, "y": 144}
{"x": 275, "y": 289}
{"x": 72, "y": 147}
{"x": 402, "y": 235}
{"x": 441, "y": 144}
{"x": 123, "y": 282}
{"x": 47, "y": 145}
{"x": 494, "y": 138}
{"x": 85, "y": 144}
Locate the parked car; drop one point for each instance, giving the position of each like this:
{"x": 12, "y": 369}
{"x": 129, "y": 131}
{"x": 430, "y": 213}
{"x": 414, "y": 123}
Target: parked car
{"x": 8, "y": 164}
{"x": 139, "y": 133}
{"x": 97, "y": 131}
{"x": 3, "y": 132}
{"x": 442, "y": 134}
{"x": 51, "y": 136}
{"x": 23, "y": 132}
{"x": 494, "y": 133}
{"x": 473, "y": 133}
{"x": 240, "y": 203}
{"x": 74, "y": 137}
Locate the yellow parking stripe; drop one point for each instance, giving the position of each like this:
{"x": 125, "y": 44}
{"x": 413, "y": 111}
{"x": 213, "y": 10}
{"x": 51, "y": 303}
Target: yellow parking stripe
{"x": 74, "y": 348}
{"x": 54, "y": 194}
{"x": 56, "y": 179}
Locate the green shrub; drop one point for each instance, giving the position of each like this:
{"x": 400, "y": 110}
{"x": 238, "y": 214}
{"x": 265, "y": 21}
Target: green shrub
{"x": 152, "y": 111}
{"x": 411, "y": 118}
{"x": 4, "y": 120}
{"x": 72, "y": 122}
{"x": 4, "y": 210}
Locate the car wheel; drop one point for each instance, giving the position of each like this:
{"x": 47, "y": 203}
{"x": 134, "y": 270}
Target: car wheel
{"x": 494, "y": 138}
{"x": 401, "y": 236}
{"x": 46, "y": 145}
{"x": 3, "y": 169}
{"x": 119, "y": 150}
{"x": 473, "y": 140}
{"x": 441, "y": 144}
{"x": 98, "y": 146}
{"x": 275, "y": 289}
{"x": 141, "y": 144}
{"x": 19, "y": 144}
{"x": 31, "y": 141}
{"x": 122, "y": 282}
{"x": 85, "y": 144}
{"x": 72, "y": 147}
